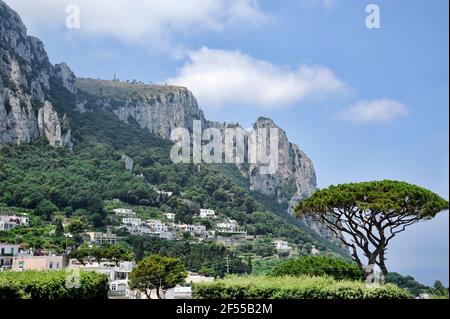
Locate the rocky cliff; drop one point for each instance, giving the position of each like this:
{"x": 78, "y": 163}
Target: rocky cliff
{"x": 26, "y": 73}
{"x": 158, "y": 108}
{"x": 161, "y": 108}
{"x": 26, "y": 111}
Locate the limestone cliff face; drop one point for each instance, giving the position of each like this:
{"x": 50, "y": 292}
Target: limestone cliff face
{"x": 53, "y": 128}
{"x": 295, "y": 176}
{"x": 25, "y": 112}
{"x": 157, "y": 108}
{"x": 162, "y": 113}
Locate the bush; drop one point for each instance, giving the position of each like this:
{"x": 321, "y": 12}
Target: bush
{"x": 43, "y": 285}
{"x": 303, "y": 287}
{"x": 319, "y": 266}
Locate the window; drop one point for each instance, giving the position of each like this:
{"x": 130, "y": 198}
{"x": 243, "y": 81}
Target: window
{"x": 113, "y": 287}
{"x": 51, "y": 265}
{"x": 57, "y": 265}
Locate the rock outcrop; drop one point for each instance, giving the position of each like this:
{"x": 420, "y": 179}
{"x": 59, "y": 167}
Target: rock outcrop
{"x": 55, "y": 130}
{"x": 25, "y": 112}
{"x": 157, "y": 108}
{"x": 128, "y": 161}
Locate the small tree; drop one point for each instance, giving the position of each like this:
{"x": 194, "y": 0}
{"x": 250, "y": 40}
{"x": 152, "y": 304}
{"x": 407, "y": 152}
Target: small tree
{"x": 367, "y": 216}
{"x": 117, "y": 253}
{"x": 76, "y": 226}
{"x": 59, "y": 228}
{"x": 157, "y": 272}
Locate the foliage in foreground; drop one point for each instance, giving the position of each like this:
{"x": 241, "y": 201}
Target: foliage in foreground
{"x": 264, "y": 287}
{"x": 319, "y": 266}
{"x": 156, "y": 272}
{"x": 44, "y": 285}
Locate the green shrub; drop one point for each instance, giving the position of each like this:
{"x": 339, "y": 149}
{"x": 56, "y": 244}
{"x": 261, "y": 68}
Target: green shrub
{"x": 43, "y": 285}
{"x": 319, "y": 266}
{"x": 303, "y": 287}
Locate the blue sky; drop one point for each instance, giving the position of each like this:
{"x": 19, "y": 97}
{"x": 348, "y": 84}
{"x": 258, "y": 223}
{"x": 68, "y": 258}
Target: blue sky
{"x": 364, "y": 104}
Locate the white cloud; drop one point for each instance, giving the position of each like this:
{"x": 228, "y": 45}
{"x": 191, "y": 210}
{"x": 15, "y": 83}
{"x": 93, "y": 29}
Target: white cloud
{"x": 374, "y": 111}
{"x": 144, "y": 20}
{"x": 220, "y": 78}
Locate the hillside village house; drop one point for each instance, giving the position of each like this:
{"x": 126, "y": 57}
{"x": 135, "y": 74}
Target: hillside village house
{"x": 195, "y": 229}
{"x": 117, "y": 274}
{"x": 282, "y": 245}
{"x": 11, "y": 258}
{"x": 131, "y": 221}
{"x": 24, "y": 262}
{"x": 207, "y": 213}
{"x": 6, "y": 225}
{"x": 230, "y": 225}
{"x": 123, "y": 212}
{"x": 156, "y": 225}
{"x": 8, "y": 222}
{"x": 103, "y": 238}
{"x": 7, "y": 254}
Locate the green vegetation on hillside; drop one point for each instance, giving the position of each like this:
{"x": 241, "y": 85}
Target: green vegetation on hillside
{"x": 304, "y": 287}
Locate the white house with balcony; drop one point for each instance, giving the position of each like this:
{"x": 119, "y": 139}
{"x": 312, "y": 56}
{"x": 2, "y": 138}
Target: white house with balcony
{"x": 207, "y": 213}
{"x": 6, "y": 225}
{"x": 8, "y": 222}
{"x": 117, "y": 274}
{"x": 7, "y": 254}
{"x": 156, "y": 225}
{"x": 134, "y": 221}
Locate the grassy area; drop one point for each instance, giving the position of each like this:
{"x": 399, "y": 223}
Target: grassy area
{"x": 303, "y": 287}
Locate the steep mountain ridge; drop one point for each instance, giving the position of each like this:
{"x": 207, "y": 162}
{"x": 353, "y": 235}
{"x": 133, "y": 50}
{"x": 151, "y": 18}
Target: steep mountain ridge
{"x": 36, "y": 95}
{"x": 26, "y": 74}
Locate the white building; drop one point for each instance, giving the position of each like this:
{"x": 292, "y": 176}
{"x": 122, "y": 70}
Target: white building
{"x": 199, "y": 229}
{"x": 103, "y": 238}
{"x": 131, "y": 221}
{"x": 8, "y": 222}
{"x": 123, "y": 212}
{"x": 117, "y": 274}
{"x": 282, "y": 245}
{"x": 156, "y": 225}
{"x": 207, "y": 213}
{"x": 193, "y": 229}
{"x": 6, "y": 225}
{"x": 230, "y": 225}
{"x": 138, "y": 229}
{"x": 7, "y": 254}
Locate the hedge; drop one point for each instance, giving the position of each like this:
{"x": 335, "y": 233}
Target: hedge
{"x": 303, "y": 287}
{"x": 319, "y": 266}
{"x": 43, "y": 285}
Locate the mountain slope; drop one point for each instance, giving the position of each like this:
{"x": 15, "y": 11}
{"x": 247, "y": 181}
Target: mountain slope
{"x": 101, "y": 121}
